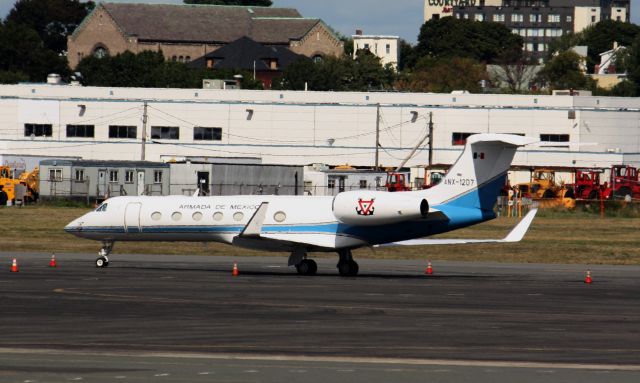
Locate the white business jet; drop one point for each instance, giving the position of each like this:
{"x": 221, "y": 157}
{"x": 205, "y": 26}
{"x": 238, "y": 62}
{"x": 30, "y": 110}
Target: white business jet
{"x": 304, "y": 224}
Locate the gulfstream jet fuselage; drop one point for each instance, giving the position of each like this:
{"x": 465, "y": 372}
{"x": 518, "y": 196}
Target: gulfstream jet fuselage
{"x": 303, "y": 224}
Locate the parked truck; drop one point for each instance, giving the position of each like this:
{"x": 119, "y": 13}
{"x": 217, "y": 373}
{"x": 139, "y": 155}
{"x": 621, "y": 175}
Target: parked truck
{"x": 25, "y": 187}
{"x": 623, "y": 183}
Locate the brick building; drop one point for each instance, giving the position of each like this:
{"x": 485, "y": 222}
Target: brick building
{"x": 189, "y": 32}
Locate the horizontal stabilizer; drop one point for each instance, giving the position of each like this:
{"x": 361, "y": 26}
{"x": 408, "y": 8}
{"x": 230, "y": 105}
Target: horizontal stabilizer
{"x": 515, "y": 235}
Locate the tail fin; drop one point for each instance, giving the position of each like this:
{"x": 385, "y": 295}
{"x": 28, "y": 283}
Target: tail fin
{"x": 478, "y": 174}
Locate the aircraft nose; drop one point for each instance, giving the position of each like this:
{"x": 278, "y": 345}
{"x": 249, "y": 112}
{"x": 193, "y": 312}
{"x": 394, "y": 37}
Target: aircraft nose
{"x": 74, "y": 226}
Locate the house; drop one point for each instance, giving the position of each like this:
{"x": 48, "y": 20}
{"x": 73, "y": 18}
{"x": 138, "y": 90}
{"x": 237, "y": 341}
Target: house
{"x": 188, "y": 32}
{"x": 606, "y": 73}
{"x": 384, "y": 47}
{"x": 266, "y": 62}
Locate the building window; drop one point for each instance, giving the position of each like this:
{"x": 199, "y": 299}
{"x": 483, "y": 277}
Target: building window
{"x": 541, "y": 47}
{"x": 122, "y": 131}
{"x": 113, "y": 176}
{"x": 554, "y": 137}
{"x": 100, "y": 52}
{"x": 479, "y": 17}
{"x": 363, "y": 184}
{"x": 80, "y": 130}
{"x": 38, "y": 130}
{"x": 388, "y": 47}
{"x": 187, "y": 59}
{"x": 165, "y": 132}
{"x": 79, "y": 175}
{"x": 331, "y": 184}
{"x": 498, "y": 17}
{"x": 458, "y": 139}
{"x": 128, "y": 176}
{"x": 207, "y": 134}
{"x": 593, "y": 19}
{"x": 553, "y": 18}
{"x": 317, "y": 59}
{"x": 466, "y": 16}
{"x": 55, "y": 175}
{"x": 157, "y": 176}
{"x": 529, "y": 47}
{"x": 569, "y": 19}
{"x": 517, "y": 17}
{"x": 210, "y": 63}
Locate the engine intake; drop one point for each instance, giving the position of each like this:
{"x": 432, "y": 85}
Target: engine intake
{"x": 370, "y": 208}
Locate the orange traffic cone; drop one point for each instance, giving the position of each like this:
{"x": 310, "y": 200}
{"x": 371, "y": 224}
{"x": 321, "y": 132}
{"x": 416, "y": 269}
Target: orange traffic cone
{"x": 588, "y": 279}
{"x": 52, "y": 262}
{"x": 235, "y": 272}
{"x": 429, "y": 269}
{"x": 14, "y": 266}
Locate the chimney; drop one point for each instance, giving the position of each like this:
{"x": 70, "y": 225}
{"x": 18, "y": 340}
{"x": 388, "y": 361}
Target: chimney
{"x": 358, "y": 32}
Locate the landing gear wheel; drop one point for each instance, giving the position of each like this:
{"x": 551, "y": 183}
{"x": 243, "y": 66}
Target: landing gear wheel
{"x": 348, "y": 268}
{"x": 307, "y": 267}
{"x": 102, "y": 262}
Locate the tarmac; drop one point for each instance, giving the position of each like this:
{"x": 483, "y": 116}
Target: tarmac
{"x": 187, "y": 319}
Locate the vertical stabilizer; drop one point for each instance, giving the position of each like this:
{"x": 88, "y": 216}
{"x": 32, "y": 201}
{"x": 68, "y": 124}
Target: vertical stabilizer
{"x": 476, "y": 178}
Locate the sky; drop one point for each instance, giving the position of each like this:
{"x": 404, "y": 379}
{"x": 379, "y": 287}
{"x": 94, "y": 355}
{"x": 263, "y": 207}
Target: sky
{"x": 380, "y": 17}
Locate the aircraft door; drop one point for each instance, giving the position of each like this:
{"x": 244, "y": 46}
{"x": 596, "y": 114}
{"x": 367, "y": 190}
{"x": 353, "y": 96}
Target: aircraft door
{"x": 132, "y": 218}
{"x": 140, "y": 182}
{"x": 102, "y": 183}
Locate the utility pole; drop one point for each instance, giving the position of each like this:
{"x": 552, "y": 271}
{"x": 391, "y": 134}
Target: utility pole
{"x": 377, "y": 167}
{"x": 144, "y": 132}
{"x": 430, "y": 139}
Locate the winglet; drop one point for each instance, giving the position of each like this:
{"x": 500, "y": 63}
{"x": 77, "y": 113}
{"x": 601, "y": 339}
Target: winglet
{"x": 254, "y": 226}
{"x": 518, "y": 232}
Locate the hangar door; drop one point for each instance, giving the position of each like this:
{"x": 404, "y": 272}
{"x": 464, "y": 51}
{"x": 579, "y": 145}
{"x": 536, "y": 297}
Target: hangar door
{"x": 132, "y": 218}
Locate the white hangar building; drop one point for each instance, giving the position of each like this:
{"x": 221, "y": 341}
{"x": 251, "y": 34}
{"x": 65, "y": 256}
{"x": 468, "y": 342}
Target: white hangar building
{"x": 300, "y": 128}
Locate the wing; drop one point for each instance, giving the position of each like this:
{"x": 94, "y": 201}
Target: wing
{"x": 515, "y": 235}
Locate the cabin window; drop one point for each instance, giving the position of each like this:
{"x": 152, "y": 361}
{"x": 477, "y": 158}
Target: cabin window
{"x": 38, "y": 130}
{"x": 279, "y": 216}
{"x": 238, "y": 216}
{"x": 156, "y": 216}
{"x": 217, "y": 216}
{"x": 102, "y": 207}
{"x": 176, "y": 216}
{"x": 197, "y": 216}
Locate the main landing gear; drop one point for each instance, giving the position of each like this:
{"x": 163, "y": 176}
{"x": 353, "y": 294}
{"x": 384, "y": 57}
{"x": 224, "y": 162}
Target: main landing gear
{"x": 103, "y": 260}
{"x": 347, "y": 267}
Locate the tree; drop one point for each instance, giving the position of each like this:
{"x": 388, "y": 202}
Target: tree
{"x": 23, "y": 56}
{"x": 563, "y": 72}
{"x": 53, "y": 20}
{"x": 445, "y": 75}
{"x": 601, "y": 36}
{"x": 514, "y": 74}
{"x": 258, "y": 3}
{"x": 449, "y": 37}
{"x": 407, "y": 55}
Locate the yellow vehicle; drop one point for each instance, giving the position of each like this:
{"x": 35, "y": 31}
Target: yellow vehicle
{"x": 30, "y": 180}
{"x": 544, "y": 189}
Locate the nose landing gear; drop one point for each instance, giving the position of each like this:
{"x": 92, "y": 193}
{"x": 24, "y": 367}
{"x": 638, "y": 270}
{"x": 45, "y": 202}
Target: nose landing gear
{"x": 103, "y": 260}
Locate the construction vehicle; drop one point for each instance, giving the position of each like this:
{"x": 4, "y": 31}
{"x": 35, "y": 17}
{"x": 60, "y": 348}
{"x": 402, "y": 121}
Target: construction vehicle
{"x": 396, "y": 182}
{"x": 29, "y": 180}
{"x": 623, "y": 183}
{"x": 544, "y": 189}
{"x": 587, "y": 184}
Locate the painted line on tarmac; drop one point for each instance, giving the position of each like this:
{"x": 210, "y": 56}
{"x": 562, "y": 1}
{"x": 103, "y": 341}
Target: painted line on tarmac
{"x": 331, "y": 359}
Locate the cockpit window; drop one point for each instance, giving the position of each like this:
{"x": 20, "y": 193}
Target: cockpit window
{"x": 102, "y": 207}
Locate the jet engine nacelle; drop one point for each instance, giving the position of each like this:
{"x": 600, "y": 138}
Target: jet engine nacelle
{"x": 369, "y": 208}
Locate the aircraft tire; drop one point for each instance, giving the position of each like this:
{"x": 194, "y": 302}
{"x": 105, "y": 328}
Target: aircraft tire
{"x": 348, "y": 268}
{"x": 102, "y": 262}
{"x": 307, "y": 267}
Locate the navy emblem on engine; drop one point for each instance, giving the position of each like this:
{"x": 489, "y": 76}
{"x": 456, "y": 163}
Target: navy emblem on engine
{"x": 365, "y": 207}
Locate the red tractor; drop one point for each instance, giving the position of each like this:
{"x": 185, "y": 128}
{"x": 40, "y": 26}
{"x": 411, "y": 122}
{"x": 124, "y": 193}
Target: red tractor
{"x": 587, "y": 185}
{"x": 396, "y": 182}
{"x": 623, "y": 183}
